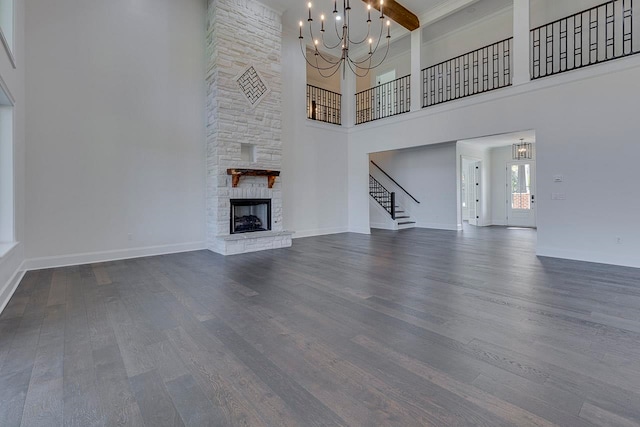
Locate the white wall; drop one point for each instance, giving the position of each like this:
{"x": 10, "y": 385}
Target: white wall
{"x": 115, "y": 127}
{"x": 314, "y": 163}
{"x": 585, "y": 123}
{"x": 490, "y": 29}
{"x": 545, "y": 11}
{"x": 428, "y": 174}
{"x": 13, "y": 78}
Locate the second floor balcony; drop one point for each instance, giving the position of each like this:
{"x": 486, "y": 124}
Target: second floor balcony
{"x": 556, "y": 40}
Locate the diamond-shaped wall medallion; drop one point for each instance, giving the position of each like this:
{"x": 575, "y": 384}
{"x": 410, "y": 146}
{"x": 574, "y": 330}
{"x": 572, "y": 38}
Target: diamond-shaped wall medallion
{"x": 252, "y": 86}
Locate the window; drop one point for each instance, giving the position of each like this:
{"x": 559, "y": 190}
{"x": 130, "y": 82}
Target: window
{"x": 6, "y": 171}
{"x": 6, "y": 26}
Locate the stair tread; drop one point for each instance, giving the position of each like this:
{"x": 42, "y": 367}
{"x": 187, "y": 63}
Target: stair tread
{"x": 406, "y": 222}
{"x": 402, "y": 217}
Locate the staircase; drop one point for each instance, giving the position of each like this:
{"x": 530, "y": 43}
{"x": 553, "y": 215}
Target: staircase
{"x": 387, "y": 200}
{"x": 403, "y": 220}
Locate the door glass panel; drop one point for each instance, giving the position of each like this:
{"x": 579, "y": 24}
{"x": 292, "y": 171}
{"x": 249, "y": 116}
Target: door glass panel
{"x": 521, "y": 187}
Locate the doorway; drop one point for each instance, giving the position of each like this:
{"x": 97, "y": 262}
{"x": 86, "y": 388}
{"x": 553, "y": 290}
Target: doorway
{"x": 495, "y": 187}
{"x": 474, "y": 191}
{"x": 521, "y": 189}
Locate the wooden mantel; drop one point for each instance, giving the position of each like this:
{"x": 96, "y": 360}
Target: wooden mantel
{"x": 236, "y": 174}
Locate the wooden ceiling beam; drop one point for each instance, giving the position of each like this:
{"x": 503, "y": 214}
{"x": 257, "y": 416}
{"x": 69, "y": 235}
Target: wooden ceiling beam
{"x": 397, "y": 12}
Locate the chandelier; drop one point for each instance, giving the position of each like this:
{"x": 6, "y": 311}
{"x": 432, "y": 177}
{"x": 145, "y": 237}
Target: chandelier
{"x": 521, "y": 151}
{"x": 337, "y": 48}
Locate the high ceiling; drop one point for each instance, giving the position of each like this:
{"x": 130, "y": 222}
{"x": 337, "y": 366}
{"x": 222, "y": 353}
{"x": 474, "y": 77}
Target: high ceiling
{"x": 427, "y": 10}
{"x": 416, "y": 6}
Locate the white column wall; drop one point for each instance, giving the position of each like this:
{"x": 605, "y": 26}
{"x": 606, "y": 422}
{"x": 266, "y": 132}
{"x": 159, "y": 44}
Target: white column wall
{"x": 521, "y": 29}
{"x": 416, "y": 74}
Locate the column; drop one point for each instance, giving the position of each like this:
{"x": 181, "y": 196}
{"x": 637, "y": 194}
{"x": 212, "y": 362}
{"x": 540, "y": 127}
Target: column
{"x": 416, "y": 70}
{"x": 521, "y": 45}
{"x": 348, "y": 98}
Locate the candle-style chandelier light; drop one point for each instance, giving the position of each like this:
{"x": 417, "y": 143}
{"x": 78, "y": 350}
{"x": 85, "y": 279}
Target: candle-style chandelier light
{"x": 337, "y": 48}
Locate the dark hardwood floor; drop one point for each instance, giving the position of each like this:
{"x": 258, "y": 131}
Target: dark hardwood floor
{"x": 410, "y": 328}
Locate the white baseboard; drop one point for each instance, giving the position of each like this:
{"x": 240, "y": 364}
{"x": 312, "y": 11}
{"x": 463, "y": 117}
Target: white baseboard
{"x": 6, "y": 291}
{"x": 319, "y": 232}
{"x": 384, "y": 226}
{"x": 436, "y": 226}
{"x": 360, "y": 230}
{"x": 587, "y": 256}
{"x": 114, "y": 255}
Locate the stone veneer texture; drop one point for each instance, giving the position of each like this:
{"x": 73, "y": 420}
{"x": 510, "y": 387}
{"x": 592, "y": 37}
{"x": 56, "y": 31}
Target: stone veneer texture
{"x": 240, "y": 34}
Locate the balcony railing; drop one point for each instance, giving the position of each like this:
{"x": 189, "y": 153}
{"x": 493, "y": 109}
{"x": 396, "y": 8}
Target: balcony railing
{"x": 595, "y": 35}
{"x": 481, "y": 70}
{"x": 324, "y": 105}
{"x": 385, "y": 100}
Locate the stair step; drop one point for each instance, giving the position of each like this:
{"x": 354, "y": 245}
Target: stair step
{"x": 406, "y": 222}
{"x": 402, "y": 217}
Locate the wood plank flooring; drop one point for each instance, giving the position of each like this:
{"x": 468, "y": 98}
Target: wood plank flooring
{"x": 410, "y": 328}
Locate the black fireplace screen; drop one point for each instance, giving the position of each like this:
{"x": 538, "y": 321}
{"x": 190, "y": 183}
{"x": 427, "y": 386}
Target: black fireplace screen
{"x": 249, "y": 215}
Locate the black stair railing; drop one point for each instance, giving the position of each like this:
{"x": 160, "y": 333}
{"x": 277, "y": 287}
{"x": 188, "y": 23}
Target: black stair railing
{"x": 481, "y": 70}
{"x": 394, "y": 181}
{"x": 599, "y": 34}
{"x": 384, "y": 197}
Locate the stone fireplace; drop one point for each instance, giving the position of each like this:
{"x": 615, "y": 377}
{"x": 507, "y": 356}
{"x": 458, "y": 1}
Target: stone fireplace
{"x": 244, "y": 122}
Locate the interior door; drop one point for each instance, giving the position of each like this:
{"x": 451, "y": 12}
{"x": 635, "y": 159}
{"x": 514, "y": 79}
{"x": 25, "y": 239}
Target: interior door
{"x": 521, "y": 201}
{"x": 473, "y": 193}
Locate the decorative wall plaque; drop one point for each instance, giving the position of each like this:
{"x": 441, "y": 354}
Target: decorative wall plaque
{"x": 252, "y": 86}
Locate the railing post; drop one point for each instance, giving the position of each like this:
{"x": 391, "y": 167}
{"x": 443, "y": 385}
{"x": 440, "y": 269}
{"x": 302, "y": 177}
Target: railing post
{"x": 521, "y": 44}
{"x": 416, "y": 74}
{"x": 393, "y": 205}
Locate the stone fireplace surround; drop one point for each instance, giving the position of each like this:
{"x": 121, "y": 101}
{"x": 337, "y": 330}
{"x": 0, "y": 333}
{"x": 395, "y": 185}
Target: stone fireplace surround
{"x": 244, "y": 87}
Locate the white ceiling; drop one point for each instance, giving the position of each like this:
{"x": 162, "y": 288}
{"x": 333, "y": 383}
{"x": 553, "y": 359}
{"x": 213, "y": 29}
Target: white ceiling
{"x": 418, "y": 7}
{"x": 440, "y": 17}
{"x": 502, "y": 140}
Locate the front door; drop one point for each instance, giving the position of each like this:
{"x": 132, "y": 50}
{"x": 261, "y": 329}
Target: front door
{"x": 521, "y": 201}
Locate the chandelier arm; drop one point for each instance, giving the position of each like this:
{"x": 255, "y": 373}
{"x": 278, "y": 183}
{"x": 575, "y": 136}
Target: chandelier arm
{"x": 374, "y": 50}
{"x": 365, "y": 37}
{"x": 370, "y": 55}
{"x": 335, "y": 70}
{"x": 304, "y": 55}
{"x": 328, "y": 60}
{"x": 330, "y": 47}
{"x": 354, "y": 71}
{"x": 379, "y": 63}
{"x": 367, "y": 58}
{"x": 316, "y": 48}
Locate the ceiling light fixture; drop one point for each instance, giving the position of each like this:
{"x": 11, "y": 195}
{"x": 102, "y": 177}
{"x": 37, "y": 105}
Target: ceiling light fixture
{"x": 339, "y": 46}
{"x": 522, "y": 150}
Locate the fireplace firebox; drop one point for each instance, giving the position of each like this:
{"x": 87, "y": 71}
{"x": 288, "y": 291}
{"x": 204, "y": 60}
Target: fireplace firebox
{"x": 250, "y": 215}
